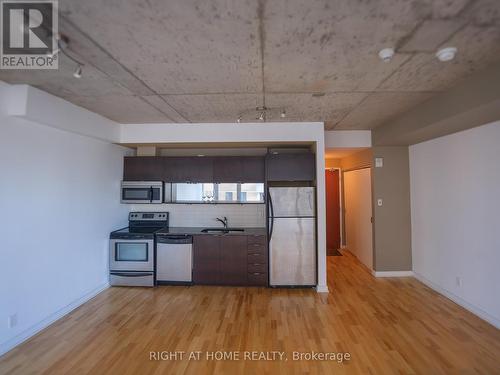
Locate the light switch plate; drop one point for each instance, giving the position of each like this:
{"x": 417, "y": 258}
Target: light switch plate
{"x": 379, "y": 162}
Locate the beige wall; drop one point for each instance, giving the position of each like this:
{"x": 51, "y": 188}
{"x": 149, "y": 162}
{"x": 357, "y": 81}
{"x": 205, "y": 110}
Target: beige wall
{"x": 392, "y": 223}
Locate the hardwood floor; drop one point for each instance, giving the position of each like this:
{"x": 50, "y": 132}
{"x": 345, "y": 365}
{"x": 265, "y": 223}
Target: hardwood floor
{"x": 389, "y": 326}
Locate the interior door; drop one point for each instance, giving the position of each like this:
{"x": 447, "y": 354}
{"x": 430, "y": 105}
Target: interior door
{"x": 358, "y": 214}
{"x": 332, "y": 210}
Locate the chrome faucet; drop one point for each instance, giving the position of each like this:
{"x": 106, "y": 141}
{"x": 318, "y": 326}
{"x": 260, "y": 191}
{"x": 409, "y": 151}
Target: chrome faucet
{"x": 223, "y": 221}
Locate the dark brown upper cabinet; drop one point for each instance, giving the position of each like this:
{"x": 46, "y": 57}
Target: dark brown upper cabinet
{"x": 239, "y": 169}
{"x": 230, "y": 169}
{"x": 291, "y": 167}
{"x": 188, "y": 169}
{"x": 254, "y": 169}
{"x": 143, "y": 168}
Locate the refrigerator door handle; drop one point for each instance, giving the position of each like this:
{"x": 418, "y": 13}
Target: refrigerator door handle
{"x": 271, "y": 214}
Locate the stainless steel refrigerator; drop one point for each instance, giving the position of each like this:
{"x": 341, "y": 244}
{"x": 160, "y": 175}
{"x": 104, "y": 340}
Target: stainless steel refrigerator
{"x": 292, "y": 236}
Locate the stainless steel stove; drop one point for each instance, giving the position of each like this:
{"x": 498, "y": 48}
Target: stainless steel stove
{"x": 132, "y": 249}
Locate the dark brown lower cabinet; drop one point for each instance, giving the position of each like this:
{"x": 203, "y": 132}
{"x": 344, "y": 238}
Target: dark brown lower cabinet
{"x": 220, "y": 260}
{"x": 233, "y": 260}
{"x": 206, "y": 259}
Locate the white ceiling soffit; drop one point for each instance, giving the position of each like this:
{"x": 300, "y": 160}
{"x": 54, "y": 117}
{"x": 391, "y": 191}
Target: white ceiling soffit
{"x": 208, "y": 61}
{"x": 339, "y": 153}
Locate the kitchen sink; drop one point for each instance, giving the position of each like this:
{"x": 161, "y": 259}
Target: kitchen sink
{"x": 222, "y": 230}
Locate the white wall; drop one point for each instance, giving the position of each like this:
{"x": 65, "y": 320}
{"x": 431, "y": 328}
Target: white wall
{"x": 59, "y": 199}
{"x": 348, "y": 138}
{"x": 358, "y": 214}
{"x": 203, "y": 215}
{"x": 455, "y": 204}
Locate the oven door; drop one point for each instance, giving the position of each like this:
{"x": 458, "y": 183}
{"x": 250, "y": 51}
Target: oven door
{"x": 142, "y": 192}
{"x": 131, "y": 255}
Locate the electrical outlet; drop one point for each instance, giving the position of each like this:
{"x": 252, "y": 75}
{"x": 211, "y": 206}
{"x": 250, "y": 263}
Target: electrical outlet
{"x": 379, "y": 202}
{"x": 12, "y": 321}
{"x": 379, "y": 162}
{"x": 458, "y": 281}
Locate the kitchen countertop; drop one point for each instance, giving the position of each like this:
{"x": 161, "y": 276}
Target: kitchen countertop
{"x": 198, "y": 230}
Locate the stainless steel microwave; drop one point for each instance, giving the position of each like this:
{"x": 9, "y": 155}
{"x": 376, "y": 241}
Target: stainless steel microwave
{"x": 142, "y": 192}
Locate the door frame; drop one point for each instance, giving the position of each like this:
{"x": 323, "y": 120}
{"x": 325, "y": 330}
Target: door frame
{"x": 341, "y": 203}
{"x": 344, "y": 245}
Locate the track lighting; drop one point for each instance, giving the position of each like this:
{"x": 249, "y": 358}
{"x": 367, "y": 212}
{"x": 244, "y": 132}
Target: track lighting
{"x": 261, "y": 113}
{"x": 78, "y": 72}
{"x": 53, "y": 53}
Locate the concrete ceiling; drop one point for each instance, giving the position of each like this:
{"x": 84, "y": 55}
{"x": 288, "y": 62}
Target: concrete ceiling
{"x": 209, "y": 61}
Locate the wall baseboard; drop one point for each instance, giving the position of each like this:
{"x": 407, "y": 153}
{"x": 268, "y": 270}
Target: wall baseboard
{"x": 392, "y": 273}
{"x": 322, "y": 289}
{"x": 459, "y": 301}
{"x": 44, "y": 323}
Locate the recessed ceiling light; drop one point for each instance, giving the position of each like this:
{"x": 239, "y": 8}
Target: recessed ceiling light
{"x": 386, "y": 54}
{"x": 200, "y": 155}
{"x": 446, "y": 54}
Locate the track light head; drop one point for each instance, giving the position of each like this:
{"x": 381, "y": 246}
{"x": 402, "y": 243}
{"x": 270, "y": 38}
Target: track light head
{"x": 78, "y": 72}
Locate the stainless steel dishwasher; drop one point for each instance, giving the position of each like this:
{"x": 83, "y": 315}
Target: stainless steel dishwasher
{"x": 174, "y": 259}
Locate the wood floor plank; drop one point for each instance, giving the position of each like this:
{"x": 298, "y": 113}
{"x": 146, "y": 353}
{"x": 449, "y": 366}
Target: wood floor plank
{"x": 389, "y": 326}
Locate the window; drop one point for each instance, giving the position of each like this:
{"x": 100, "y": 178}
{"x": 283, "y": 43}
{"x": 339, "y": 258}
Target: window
{"x": 218, "y": 193}
{"x": 252, "y": 193}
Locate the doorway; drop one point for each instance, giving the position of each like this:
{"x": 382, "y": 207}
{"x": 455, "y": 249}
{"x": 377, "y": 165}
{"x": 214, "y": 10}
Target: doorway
{"x": 332, "y": 179}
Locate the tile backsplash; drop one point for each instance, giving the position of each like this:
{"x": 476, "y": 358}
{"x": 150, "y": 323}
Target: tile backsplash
{"x": 203, "y": 215}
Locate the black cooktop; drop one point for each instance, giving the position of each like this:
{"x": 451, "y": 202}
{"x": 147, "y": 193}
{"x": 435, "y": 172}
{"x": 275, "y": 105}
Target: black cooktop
{"x": 131, "y": 232}
{"x": 135, "y": 232}
{"x": 142, "y": 225}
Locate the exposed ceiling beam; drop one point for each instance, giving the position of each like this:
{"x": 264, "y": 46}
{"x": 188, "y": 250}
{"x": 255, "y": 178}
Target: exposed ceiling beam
{"x": 473, "y": 102}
